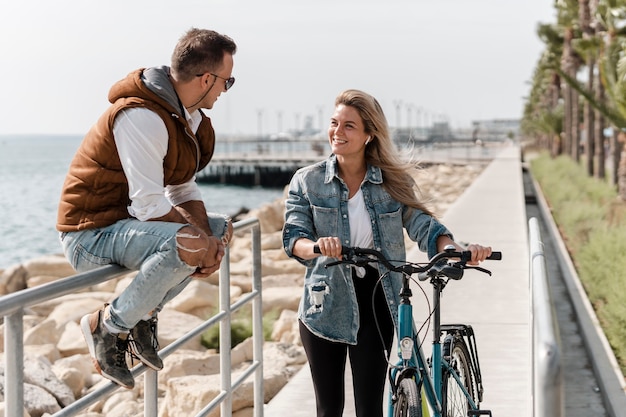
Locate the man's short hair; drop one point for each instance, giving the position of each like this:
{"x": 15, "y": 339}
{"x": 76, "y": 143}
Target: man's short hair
{"x": 199, "y": 51}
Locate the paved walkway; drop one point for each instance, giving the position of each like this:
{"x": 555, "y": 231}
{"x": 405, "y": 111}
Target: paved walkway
{"x": 490, "y": 212}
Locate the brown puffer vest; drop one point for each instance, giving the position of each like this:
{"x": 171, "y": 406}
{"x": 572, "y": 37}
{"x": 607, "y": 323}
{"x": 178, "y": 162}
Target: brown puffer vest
{"x": 95, "y": 192}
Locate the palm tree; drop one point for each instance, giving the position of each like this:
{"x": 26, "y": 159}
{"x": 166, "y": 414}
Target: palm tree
{"x": 543, "y": 111}
{"x": 567, "y": 19}
{"x": 610, "y": 18}
{"x": 588, "y": 51}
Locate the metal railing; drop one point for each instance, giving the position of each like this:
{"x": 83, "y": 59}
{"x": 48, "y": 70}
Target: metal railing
{"x": 548, "y": 390}
{"x": 12, "y": 309}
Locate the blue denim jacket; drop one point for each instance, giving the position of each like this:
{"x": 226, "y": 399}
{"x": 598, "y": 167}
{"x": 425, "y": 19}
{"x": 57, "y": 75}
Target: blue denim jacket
{"x": 317, "y": 206}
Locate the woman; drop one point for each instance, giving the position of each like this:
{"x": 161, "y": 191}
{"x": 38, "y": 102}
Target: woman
{"x": 362, "y": 195}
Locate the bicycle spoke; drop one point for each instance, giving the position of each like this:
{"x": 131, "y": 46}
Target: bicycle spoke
{"x": 455, "y": 401}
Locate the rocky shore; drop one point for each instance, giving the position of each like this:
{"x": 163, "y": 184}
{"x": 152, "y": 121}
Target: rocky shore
{"x": 58, "y": 369}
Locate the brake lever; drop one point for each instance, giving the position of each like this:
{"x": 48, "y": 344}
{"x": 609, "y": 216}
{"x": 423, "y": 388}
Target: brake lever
{"x": 362, "y": 262}
{"x": 335, "y": 263}
{"x": 478, "y": 268}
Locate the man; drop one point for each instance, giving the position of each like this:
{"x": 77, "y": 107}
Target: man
{"x": 130, "y": 196}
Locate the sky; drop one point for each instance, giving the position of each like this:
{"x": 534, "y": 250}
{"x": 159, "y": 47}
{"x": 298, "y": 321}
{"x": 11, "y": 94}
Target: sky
{"x": 424, "y": 60}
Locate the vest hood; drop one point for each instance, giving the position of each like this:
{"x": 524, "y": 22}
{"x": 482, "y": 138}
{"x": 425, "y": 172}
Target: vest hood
{"x": 150, "y": 84}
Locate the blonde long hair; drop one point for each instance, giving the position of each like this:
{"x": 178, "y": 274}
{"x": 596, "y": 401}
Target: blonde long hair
{"x": 381, "y": 151}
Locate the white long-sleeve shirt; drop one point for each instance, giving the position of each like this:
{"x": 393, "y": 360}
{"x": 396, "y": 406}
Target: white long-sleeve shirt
{"x": 141, "y": 139}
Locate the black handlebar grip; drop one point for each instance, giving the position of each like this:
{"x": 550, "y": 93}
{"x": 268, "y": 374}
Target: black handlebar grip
{"x": 344, "y": 249}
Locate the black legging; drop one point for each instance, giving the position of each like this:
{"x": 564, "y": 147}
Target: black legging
{"x": 369, "y": 365}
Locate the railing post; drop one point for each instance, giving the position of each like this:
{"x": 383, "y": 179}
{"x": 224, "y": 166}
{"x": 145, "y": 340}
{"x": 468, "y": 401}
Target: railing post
{"x": 226, "y": 406}
{"x": 548, "y": 397}
{"x": 257, "y": 321}
{"x": 14, "y": 364}
{"x": 151, "y": 393}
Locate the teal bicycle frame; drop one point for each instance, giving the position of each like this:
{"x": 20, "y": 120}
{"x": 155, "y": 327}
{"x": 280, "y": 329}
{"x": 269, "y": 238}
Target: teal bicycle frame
{"x": 411, "y": 361}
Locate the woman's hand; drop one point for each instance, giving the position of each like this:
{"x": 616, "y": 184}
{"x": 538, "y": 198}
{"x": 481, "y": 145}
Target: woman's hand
{"x": 479, "y": 253}
{"x": 330, "y": 246}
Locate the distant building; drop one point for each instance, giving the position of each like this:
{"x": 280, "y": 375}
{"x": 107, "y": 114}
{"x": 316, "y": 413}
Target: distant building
{"x": 440, "y": 132}
{"x": 437, "y": 132}
{"x": 495, "y": 129}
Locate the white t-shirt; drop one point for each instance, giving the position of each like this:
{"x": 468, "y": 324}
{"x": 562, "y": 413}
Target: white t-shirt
{"x": 141, "y": 139}
{"x": 360, "y": 223}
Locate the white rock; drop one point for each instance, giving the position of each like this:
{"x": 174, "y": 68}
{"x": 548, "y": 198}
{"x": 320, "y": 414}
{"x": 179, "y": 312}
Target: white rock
{"x": 244, "y": 412}
{"x": 2, "y": 413}
{"x": 174, "y": 324}
{"x": 54, "y": 265}
{"x": 13, "y": 279}
{"x": 85, "y": 302}
{"x": 46, "y": 350}
{"x": 272, "y": 241}
{"x": 281, "y": 298}
{"x": 38, "y": 371}
{"x": 44, "y": 332}
{"x": 72, "y": 309}
{"x": 287, "y": 266}
{"x": 72, "y": 341}
{"x": 119, "y": 397}
{"x": 197, "y": 294}
{"x": 286, "y": 328}
{"x": 39, "y": 401}
{"x": 283, "y": 280}
{"x": 65, "y": 368}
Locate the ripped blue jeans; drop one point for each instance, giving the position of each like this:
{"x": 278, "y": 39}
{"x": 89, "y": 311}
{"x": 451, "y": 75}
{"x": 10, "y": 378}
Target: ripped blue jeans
{"x": 148, "y": 247}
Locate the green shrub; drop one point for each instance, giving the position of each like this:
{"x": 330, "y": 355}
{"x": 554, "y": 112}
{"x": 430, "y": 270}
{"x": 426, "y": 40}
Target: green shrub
{"x": 601, "y": 265}
{"x": 240, "y": 329}
{"x": 592, "y": 222}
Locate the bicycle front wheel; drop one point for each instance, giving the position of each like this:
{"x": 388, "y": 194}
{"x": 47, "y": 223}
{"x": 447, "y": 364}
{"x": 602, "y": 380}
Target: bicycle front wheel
{"x": 409, "y": 402}
{"x": 454, "y": 401}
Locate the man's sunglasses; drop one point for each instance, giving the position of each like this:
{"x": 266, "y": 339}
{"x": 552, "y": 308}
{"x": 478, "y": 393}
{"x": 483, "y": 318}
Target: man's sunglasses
{"x": 229, "y": 81}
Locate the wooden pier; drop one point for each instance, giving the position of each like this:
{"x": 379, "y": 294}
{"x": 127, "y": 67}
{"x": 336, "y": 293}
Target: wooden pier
{"x": 273, "y": 163}
{"x": 266, "y": 163}
{"x": 255, "y": 170}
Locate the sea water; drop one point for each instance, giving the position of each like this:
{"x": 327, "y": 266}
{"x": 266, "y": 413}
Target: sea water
{"x": 32, "y": 171}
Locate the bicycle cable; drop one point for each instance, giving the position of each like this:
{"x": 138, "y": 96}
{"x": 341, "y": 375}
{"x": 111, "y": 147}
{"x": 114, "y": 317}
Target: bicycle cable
{"x": 426, "y": 322}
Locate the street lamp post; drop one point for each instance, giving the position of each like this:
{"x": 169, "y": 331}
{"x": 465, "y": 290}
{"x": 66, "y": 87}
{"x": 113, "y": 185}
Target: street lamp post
{"x": 409, "y": 109}
{"x": 259, "y": 114}
{"x": 398, "y": 104}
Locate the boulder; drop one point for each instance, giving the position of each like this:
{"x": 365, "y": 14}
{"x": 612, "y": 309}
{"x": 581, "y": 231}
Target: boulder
{"x": 174, "y": 324}
{"x": 281, "y": 298}
{"x": 50, "y": 265}
{"x": 38, "y": 371}
{"x": 286, "y": 328}
{"x": 13, "y": 279}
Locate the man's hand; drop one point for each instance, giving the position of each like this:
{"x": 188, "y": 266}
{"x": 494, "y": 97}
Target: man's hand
{"x": 212, "y": 260}
{"x": 196, "y": 243}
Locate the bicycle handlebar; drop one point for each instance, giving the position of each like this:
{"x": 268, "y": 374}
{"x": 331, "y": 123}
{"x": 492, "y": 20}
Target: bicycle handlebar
{"x": 352, "y": 253}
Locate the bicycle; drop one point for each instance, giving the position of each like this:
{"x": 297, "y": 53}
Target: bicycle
{"x": 451, "y": 380}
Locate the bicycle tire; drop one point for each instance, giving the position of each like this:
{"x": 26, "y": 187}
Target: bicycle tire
{"x": 454, "y": 401}
{"x": 409, "y": 401}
